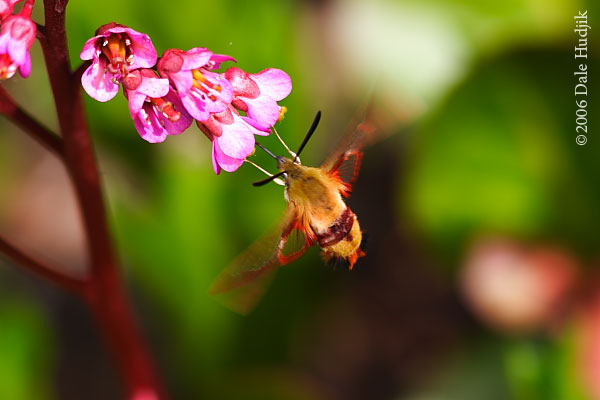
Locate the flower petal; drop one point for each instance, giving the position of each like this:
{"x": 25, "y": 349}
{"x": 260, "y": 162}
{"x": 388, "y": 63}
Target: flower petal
{"x": 259, "y": 130}
{"x": 195, "y": 106}
{"x": 136, "y": 102}
{"x": 185, "y": 119}
{"x": 170, "y": 62}
{"x": 241, "y": 82}
{"x": 154, "y": 87}
{"x": 264, "y": 110}
{"x": 89, "y": 48}
{"x": 273, "y": 82}
{"x": 4, "y": 40}
{"x": 217, "y": 59}
{"x": 223, "y": 97}
{"x": 196, "y": 58}
{"x": 237, "y": 140}
{"x": 215, "y": 163}
{"x": 144, "y": 54}
{"x": 182, "y": 80}
{"x": 98, "y": 84}
{"x": 148, "y": 126}
{"x": 225, "y": 162}
{"x": 18, "y": 51}
{"x": 25, "y": 68}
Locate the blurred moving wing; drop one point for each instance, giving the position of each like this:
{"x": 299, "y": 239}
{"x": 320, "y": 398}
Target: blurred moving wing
{"x": 347, "y": 169}
{"x": 243, "y": 282}
{"x": 371, "y": 123}
{"x": 256, "y": 260}
{"x": 244, "y": 298}
{"x": 349, "y": 149}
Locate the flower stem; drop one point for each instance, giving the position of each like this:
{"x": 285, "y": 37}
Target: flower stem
{"x": 20, "y": 258}
{"x": 105, "y": 297}
{"x": 112, "y": 313}
{"x": 40, "y": 133}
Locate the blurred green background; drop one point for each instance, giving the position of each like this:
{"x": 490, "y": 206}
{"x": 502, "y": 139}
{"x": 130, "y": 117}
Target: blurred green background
{"x": 480, "y": 280}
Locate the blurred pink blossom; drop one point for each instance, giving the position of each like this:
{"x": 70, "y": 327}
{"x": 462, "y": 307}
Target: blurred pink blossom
{"x": 514, "y": 288}
{"x": 16, "y": 37}
{"x": 588, "y": 321}
{"x": 6, "y": 8}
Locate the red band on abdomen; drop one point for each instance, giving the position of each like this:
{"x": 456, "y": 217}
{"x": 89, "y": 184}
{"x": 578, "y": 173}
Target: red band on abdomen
{"x": 338, "y": 230}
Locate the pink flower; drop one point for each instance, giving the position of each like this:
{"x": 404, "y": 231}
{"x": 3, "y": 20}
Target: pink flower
{"x": 257, "y": 94}
{"x": 516, "y": 288}
{"x": 114, "y": 51}
{"x": 16, "y": 37}
{"x": 202, "y": 92}
{"x": 232, "y": 137}
{"x": 6, "y": 8}
{"x": 588, "y": 335}
{"x": 154, "y": 106}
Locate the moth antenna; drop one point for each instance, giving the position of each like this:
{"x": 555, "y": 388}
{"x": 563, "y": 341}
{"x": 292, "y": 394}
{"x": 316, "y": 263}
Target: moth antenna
{"x": 283, "y": 143}
{"x": 266, "y": 150}
{"x": 310, "y": 132}
{"x": 269, "y": 179}
{"x": 261, "y": 169}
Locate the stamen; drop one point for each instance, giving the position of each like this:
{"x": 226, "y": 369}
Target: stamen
{"x": 282, "y": 111}
{"x": 200, "y": 79}
{"x": 166, "y": 108}
{"x": 144, "y": 116}
{"x": 198, "y": 75}
{"x": 276, "y": 180}
{"x": 114, "y": 49}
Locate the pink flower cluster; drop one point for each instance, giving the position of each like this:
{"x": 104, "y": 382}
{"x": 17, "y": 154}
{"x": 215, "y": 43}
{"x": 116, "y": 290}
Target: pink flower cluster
{"x": 165, "y": 97}
{"x": 17, "y": 33}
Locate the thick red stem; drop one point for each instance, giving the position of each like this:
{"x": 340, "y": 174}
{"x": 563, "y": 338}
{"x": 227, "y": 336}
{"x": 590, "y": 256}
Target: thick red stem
{"x": 105, "y": 296}
{"x": 111, "y": 310}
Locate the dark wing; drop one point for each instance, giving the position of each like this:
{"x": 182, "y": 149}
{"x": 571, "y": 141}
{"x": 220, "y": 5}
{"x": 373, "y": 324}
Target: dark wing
{"x": 243, "y": 282}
